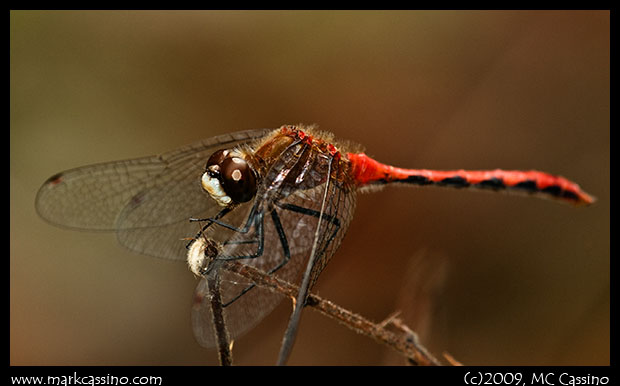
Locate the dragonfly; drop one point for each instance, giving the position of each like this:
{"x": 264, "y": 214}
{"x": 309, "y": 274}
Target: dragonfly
{"x": 279, "y": 200}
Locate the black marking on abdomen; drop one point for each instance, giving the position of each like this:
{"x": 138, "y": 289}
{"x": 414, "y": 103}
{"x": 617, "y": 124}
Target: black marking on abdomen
{"x": 527, "y": 185}
{"x": 492, "y": 183}
{"x": 420, "y": 180}
{"x": 417, "y": 180}
{"x": 569, "y": 195}
{"x": 455, "y": 182}
{"x": 553, "y": 190}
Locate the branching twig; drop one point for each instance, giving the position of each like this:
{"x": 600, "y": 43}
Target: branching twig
{"x": 405, "y": 343}
{"x": 423, "y": 353}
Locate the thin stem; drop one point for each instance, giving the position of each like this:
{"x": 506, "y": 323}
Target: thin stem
{"x": 217, "y": 310}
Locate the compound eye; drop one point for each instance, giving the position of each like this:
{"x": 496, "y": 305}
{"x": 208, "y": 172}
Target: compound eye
{"x": 237, "y": 179}
{"x": 213, "y": 164}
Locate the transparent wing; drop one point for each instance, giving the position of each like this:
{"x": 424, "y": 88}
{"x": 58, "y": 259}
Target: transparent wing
{"x": 148, "y": 201}
{"x": 287, "y": 220}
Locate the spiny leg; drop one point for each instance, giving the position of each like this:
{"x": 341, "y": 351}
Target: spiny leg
{"x": 260, "y": 238}
{"x": 284, "y": 241}
{"x": 215, "y": 220}
{"x": 285, "y": 248}
{"x": 210, "y": 221}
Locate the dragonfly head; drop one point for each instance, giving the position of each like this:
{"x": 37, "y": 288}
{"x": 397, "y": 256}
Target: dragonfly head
{"x": 229, "y": 178}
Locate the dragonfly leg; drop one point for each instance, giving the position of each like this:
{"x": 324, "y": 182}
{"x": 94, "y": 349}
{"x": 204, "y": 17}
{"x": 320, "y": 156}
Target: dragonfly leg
{"x": 210, "y": 221}
{"x": 281, "y": 235}
{"x": 285, "y": 248}
{"x": 283, "y": 239}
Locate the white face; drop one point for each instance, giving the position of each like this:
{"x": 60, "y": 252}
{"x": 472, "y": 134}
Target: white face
{"x": 214, "y": 188}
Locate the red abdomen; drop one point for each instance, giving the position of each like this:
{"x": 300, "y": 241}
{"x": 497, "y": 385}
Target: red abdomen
{"x": 366, "y": 171}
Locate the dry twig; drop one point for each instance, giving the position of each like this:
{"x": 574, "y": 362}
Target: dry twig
{"x": 405, "y": 342}
{"x": 219, "y": 326}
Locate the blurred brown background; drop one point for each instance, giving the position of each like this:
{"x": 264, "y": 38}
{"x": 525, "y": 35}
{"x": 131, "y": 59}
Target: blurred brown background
{"x": 527, "y": 280}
